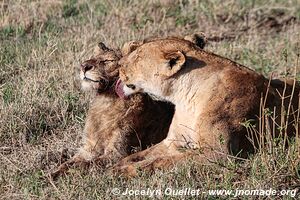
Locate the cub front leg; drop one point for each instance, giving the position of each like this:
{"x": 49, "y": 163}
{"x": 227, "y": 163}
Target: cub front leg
{"x": 99, "y": 149}
{"x": 76, "y": 161}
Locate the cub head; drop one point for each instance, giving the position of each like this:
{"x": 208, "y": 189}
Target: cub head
{"x": 101, "y": 71}
{"x": 151, "y": 66}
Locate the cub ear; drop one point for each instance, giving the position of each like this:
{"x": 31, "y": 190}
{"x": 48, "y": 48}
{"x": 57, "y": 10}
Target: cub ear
{"x": 174, "y": 62}
{"x": 102, "y": 46}
{"x": 197, "y": 38}
{"x": 129, "y": 47}
{"x": 100, "y": 49}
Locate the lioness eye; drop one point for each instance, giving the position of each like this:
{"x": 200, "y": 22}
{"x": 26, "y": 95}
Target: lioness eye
{"x": 131, "y": 86}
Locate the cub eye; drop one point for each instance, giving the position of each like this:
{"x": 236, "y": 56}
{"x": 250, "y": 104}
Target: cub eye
{"x": 107, "y": 61}
{"x": 102, "y": 81}
{"x": 131, "y": 86}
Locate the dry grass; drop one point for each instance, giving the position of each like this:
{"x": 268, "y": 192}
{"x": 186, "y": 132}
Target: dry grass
{"x": 42, "y": 112}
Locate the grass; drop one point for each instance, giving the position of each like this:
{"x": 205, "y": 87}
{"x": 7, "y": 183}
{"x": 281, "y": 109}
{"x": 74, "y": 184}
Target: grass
{"x": 42, "y": 110}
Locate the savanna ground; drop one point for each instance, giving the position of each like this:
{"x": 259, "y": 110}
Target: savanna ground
{"x": 42, "y": 111}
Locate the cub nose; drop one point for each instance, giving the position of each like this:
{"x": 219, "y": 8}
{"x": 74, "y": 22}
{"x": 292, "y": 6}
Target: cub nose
{"x": 86, "y": 67}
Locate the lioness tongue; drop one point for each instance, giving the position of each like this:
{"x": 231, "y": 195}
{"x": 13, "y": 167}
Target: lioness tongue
{"x": 119, "y": 89}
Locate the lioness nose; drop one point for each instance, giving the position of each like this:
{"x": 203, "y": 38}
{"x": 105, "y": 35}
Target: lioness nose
{"x": 122, "y": 75}
{"x": 86, "y": 67}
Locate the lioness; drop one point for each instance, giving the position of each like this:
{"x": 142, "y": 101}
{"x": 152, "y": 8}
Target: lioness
{"x": 212, "y": 96}
{"x": 115, "y": 128}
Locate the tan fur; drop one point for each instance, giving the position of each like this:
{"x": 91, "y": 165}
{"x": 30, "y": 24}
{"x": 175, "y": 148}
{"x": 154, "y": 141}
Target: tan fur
{"x": 212, "y": 97}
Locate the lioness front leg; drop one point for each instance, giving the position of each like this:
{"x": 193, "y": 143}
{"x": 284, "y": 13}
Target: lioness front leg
{"x": 160, "y": 156}
{"x": 182, "y": 143}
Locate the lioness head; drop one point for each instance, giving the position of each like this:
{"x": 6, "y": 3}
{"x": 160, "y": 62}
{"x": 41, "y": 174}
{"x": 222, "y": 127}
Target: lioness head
{"x": 153, "y": 60}
{"x": 101, "y": 71}
{"x": 151, "y": 66}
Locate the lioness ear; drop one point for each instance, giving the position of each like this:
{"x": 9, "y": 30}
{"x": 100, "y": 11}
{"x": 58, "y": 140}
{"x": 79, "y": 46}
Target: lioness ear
{"x": 174, "y": 62}
{"x": 197, "y": 38}
{"x": 129, "y": 47}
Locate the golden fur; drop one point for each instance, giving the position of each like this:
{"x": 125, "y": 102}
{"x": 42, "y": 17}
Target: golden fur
{"x": 212, "y": 95}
